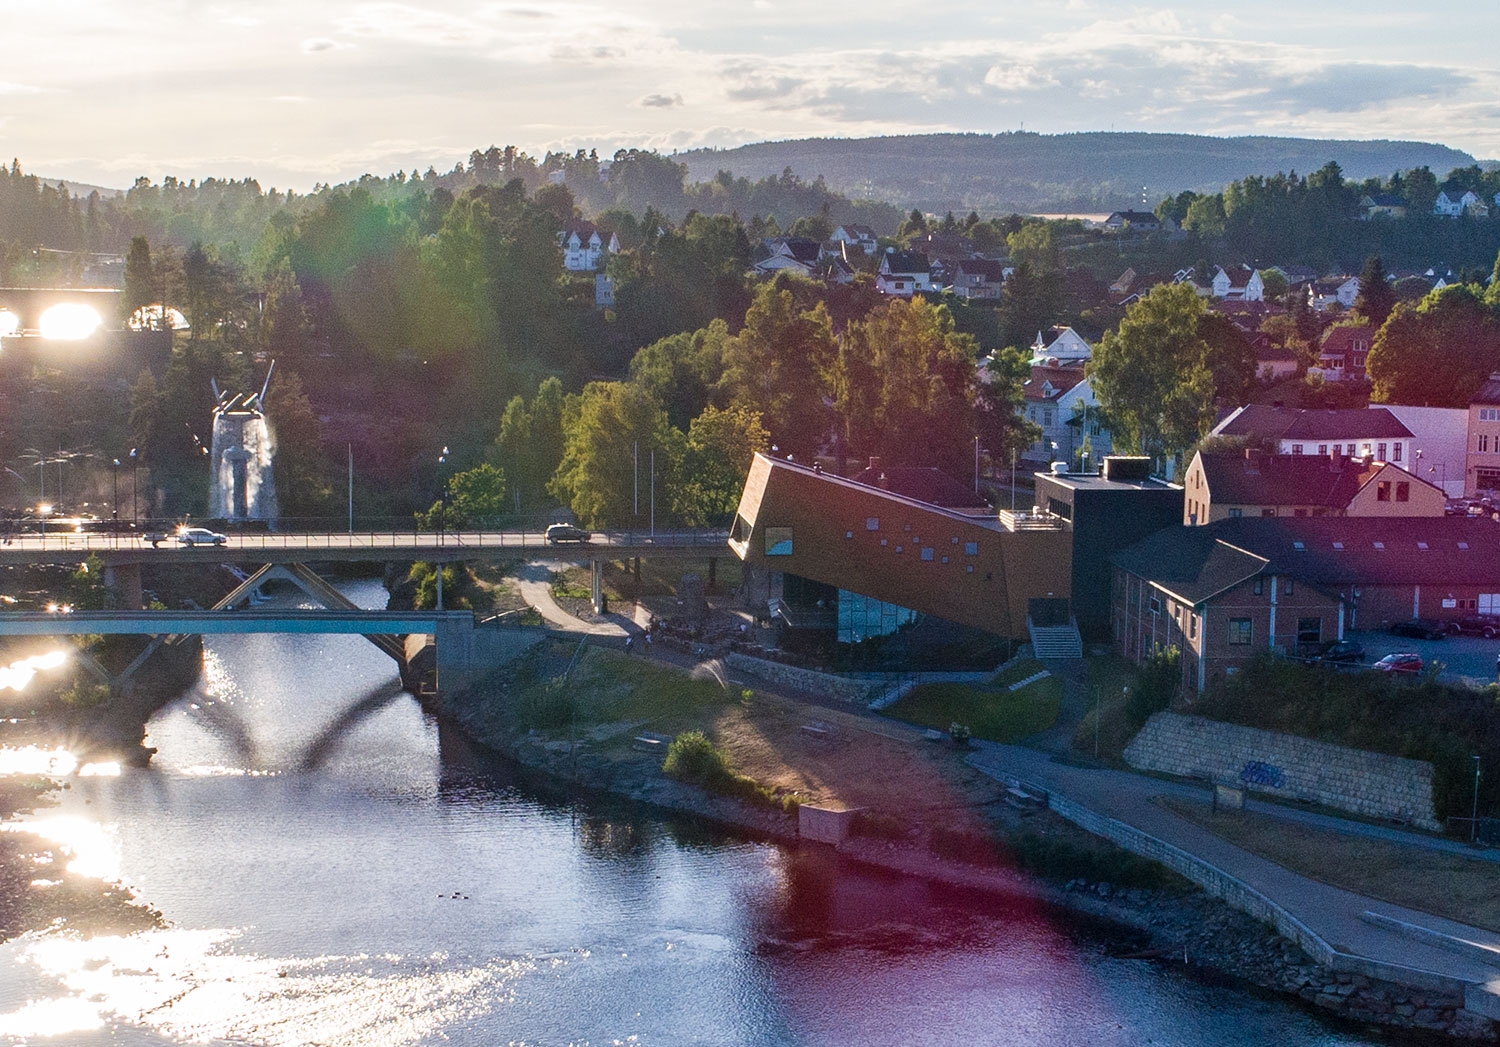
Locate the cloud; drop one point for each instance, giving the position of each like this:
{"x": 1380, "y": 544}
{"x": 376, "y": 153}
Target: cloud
{"x": 9, "y": 87}
{"x": 660, "y": 102}
{"x": 321, "y": 43}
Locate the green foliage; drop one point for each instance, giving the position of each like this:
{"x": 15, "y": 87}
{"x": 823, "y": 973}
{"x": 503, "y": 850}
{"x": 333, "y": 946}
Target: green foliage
{"x": 459, "y": 590}
{"x": 1439, "y": 353}
{"x": 876, "y": 826}
{"x": 1376, "y": 295}
{"x": 86, "y": 693}
{"x": 549, "y": 706}
{"x": 1158, "y": 683}
{"x": 960, "y": 734}
{"x": 720, "y": 446}
{"x": 606, "y": 427}
{"x": 1421, "y": 720}
{"x": 1061, "y": 860}
{"x": 963, "y": 845}
{"x": 693, "y": 758}
{"x": 1153, "y": 376}
{"x": 476, "y": 497}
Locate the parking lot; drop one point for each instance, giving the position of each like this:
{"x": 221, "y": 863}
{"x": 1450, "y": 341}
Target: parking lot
{"x": 1470, "y": 658}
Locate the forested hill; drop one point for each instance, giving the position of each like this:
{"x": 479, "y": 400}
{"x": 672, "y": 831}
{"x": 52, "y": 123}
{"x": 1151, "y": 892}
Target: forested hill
{"x": 1021, "y": 171}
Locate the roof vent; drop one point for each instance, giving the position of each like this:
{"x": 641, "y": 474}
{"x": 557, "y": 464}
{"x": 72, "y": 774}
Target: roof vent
{"x": 1059, "y": 468}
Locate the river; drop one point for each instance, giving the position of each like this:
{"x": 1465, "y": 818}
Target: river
{"x": 337, "y": 869}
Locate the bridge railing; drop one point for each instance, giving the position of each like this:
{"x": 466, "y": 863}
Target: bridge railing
{"x": 397, "y": 538}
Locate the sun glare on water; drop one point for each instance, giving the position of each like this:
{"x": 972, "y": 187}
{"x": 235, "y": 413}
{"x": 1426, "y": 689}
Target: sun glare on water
{"x": 17, "y": 675}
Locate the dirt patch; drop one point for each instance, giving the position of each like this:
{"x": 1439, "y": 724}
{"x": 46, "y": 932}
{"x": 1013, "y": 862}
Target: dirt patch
{"x": 1441, "y": 883}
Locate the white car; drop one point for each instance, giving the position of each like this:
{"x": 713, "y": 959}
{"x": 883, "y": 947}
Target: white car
{"x": 200, "y": 536}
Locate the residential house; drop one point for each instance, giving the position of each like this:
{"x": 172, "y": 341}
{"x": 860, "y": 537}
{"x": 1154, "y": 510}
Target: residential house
{"x": 789, "y": 252}
{"x": 1455, "y": 201}
{"x": 1139, "y": 221}
{"x": 1274, "y": 363}
{"x": 1124, "y": 284}
{"x": 604, "y": 291}
{"x": 903, "y": 273}
{"x": 1343, "y": 351}
{"x": 1062, "y": 402}
{"x": 1382, "y": 205}
{"x": 1238, "y": 282}
{"x": 861, "y": 236}
{"x": 834, "y": 269}
{"x": 979, "y": 278}
{"x": 1353, "y": 432}
{"x": 1340, "y": 290}
{"x": 1061, "y": 346}
{"x": 584, "y": 246}
{"x": 1227, "y": 485}
{"x": 1482, "y": 469}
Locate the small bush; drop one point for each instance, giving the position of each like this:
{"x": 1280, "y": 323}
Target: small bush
{"x": 1062, "y": 860}
{"x": 693, "y": 758}
{"x": 547, "y": 707}
{"x": 960, "y": 734}
{"x": 877, "y": 826}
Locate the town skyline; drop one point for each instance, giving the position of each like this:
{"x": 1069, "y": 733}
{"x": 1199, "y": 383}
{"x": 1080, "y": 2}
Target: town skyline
{"x": 300, "y": 94}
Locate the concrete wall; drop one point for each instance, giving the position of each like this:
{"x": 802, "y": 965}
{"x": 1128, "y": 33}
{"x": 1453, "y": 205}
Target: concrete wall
{"x": 1369, "y": 784}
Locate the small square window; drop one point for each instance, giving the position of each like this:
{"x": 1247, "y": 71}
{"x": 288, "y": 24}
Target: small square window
{"x": 1299, "y": 546}
{"x": 898, "y": 548}
{"x": 927, "y": 553}
{"x": 882, "y": 542}
{"x": 971, "y": 548}
{"x": 848, "y": 534}
{"x": 968, "y": 568}
{"x": 1338, "y": 545}
{"x": 1463, "y": 545}
{"x": 955, "y": 540}
{"x": 1380, "y": 545}
{"x": 1421, "y": 545}
{"x": 945, "y": 559}
{"x": 872, "y": 523}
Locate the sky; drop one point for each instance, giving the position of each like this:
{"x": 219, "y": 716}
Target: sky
{"x": 296, "y": 92}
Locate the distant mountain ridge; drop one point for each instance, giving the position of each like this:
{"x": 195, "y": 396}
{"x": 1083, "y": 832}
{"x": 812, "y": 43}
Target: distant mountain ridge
{"x": 1087, "y": 171}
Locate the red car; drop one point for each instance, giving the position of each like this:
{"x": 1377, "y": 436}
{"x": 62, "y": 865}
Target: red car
{"x": 1405, "y": 662}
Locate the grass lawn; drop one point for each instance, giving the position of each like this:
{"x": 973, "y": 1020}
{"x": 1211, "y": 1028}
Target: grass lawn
{"x": 610, "y": 687}
{"x": 662, "y": 577}
{"x": 996, "y": 715}
{"x": 1448, "y": 885}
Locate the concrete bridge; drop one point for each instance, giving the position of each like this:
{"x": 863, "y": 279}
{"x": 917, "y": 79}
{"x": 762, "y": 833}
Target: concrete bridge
{"x": 460, "y": 647}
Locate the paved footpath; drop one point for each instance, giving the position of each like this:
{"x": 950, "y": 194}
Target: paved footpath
{"x": 1329, "y": 912}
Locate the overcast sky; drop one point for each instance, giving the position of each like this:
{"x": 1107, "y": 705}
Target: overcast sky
{"x": 300, "y": 91}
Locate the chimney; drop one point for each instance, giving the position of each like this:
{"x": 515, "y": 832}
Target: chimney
{"x": 883, "y": 483}
{"x": 874, "y": 462}
{"x": 1253, "y": 456}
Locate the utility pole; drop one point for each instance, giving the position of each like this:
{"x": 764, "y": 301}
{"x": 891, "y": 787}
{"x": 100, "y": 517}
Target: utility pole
{"x": 351, "y": 488}
{"x": 976, "y": 464}
{"x": 1474, "y": 811}
{"x": 653, "y": 492}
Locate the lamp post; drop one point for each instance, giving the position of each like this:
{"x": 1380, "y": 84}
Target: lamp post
{"x": 976, "y": 464}
{"x": 442, "y": 505}
{"x": 1474, "y": 811}
{"x": 114, "y": 504}
{"x": 133, "y": 517}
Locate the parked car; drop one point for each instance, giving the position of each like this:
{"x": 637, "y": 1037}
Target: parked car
{"x": 1341, "y": 651}
{"x": 561, "y": 532}
{"x": 1405, "y": 662}
{"x": 1486, "y": 625}
{"x": 200, "y": 536}
{"x": 1420, "y": 629}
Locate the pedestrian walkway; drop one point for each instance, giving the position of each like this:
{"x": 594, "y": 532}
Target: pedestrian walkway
{"x": 1332, "y": 914}
{"x": 534, "y": 583}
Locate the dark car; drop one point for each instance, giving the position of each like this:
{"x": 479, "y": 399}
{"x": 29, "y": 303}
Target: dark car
{"x": 1420, "y": 629}
{"x": 1486, "y": 625}
{"x": 1341, "y": 651}
{"x": 561, "y": 532}
{"x": 1405, "y": 662}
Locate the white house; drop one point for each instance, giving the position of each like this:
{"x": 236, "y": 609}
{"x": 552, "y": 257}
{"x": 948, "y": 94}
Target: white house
{"x": 1341, "y": 289}
{"x": 979, "y": 278}
{"x": 1352, "y": 432}
{"x": 1454, "y": 202}
{"x": 583, "y": 246}
{"x": 788, "y": 252}
{"x": 903, "y": 273}
{"x": 1238, "y": 283}
{"x": 1062, "y": 402}
{"x": 1061, "y": 346}
{"x": 860, "y": 236}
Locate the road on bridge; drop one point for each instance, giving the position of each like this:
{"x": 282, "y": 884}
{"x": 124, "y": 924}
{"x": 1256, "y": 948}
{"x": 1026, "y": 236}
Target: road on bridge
{"x": 276, "y": 546}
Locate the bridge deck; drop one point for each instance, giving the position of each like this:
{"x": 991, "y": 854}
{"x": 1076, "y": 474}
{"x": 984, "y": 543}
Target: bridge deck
{"x": 336, "y": 546}
{"x": 156, "y": 623}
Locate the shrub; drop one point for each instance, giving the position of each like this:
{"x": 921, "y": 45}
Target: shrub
{"x": 693, "y": 758}
{"x": 1160, "y": 678}
{"x": 961, "y": 845}
{"x": 877, "y": 826}
{"x": 960, "y": 734}
{"x": 1063, "y": 860}
{"x": 548, "y": 707}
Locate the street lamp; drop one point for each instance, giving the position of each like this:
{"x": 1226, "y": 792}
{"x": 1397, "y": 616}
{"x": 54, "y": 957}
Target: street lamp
{"x": 133, "y": 518}
{"x": 1474, "y": 811}
{"x": 114, "y": 504}
{"x": 442, "y": 501}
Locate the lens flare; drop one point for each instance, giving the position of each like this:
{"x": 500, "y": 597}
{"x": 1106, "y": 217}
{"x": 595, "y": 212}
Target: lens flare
{"x": 10, "y": 323}
{"x": 69, "y": 322}
{"x": 17, "y": 675}
{"x": 32, "y": 760}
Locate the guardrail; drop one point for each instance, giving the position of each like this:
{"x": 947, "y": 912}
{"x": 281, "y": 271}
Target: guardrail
{"x": 395, "y": 540}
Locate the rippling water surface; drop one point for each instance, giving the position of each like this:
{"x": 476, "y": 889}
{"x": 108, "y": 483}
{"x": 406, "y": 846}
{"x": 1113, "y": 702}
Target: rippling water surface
{"x": 338, "y": 870}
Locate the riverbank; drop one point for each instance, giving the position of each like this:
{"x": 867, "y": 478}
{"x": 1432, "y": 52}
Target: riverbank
{"x": 929, "y": 816}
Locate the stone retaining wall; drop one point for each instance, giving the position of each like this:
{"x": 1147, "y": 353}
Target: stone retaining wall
{"x": 1370, "y": 784}
{"x": 810, "y": 680}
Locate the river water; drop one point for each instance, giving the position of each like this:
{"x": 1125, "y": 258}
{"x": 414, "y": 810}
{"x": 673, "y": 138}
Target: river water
{"x": 339, "y": 870}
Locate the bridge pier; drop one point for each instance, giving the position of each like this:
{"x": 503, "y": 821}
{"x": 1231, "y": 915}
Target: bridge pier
{"x": 124, "y": 581}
